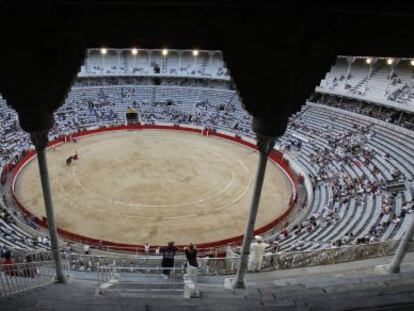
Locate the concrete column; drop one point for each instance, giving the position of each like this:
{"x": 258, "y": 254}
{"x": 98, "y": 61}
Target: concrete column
{"x": 350, "y": 61}
{"x": 265, "y": 145}
{"x": 180, "y": 55}
{"x": 369, "y": 76}
{"x": 394, "y": 266}
{"x": 400, "y": 118}
{"x": 411, "y": 87}
{"x": 40, "y": 139}
{"x": 118, "y": 52}
{"x": 389, "y": 82}
{"x": 87, "y": 60}
{"x": 103, "y": 63}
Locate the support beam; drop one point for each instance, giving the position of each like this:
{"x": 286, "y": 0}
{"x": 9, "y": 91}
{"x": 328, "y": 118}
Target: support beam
{"x": 40, "y": 139}
{"x": 350, "y": 61}
{"x": 400, "y": 118}
{"x": 368, "y": 77}
{"x": 394, "y": 266}
{"x": 265, "y": 145}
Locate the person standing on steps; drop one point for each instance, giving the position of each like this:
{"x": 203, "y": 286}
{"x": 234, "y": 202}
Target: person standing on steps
{"x": 168, "y": 253}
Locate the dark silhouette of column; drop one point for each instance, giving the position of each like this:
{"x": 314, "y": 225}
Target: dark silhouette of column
{"x": 394, "y": 266}
{"x": 40, "y": 139}
{"x": 265, "y": 145}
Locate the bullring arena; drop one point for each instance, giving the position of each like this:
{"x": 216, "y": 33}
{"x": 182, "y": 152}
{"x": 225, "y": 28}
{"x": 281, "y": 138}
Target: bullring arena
{"x": 137, "y": 186}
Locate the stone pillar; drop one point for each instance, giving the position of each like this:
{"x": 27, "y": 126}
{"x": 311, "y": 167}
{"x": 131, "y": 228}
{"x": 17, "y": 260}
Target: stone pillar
{"x": 394, "y": 266}
{"x": 265, "y": 145}
{"x": 40, "y": 140}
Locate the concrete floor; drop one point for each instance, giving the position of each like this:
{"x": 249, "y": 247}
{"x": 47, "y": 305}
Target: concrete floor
{"x": 154, "y": 186}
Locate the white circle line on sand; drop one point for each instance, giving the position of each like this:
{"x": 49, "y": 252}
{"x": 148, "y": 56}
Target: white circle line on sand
{"x": 221, "y": 206}
{"x": 224, "y": 189}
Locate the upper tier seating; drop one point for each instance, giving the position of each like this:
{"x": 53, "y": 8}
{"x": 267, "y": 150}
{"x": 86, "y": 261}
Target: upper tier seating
{"x": 178, "y": 63}
{"x": 93, "y": 106}
{"x": 379, "y": 82}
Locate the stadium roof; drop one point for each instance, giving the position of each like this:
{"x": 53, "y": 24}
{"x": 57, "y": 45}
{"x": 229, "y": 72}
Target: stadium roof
{"x": 277, "y": 51}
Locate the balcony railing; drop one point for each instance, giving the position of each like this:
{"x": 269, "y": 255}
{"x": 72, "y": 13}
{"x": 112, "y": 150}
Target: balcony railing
{"x": 19, "y": 277}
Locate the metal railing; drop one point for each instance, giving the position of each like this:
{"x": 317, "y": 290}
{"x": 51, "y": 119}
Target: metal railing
{"x": 328, "y": 256}
{"x": 145, "y": 278}
{"x": 229, "y": 263}
{"x": 20, "y": 254}
{"x": 92, "y": 263}
{"x": 297, "y": 259}
{"x": 19, "y": 277}
{"x": 218, "y": 266}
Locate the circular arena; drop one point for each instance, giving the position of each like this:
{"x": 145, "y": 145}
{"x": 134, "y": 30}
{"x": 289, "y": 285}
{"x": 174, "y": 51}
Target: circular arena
{"x": 134, "y": 163}
{"x": 206, "y": 155}
{"x": 137, "y": 186}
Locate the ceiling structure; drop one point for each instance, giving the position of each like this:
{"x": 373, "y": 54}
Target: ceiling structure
{"x": 277, "y": 51}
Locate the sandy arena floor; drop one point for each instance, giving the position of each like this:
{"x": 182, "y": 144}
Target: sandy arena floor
{"x": 154, "y": 186}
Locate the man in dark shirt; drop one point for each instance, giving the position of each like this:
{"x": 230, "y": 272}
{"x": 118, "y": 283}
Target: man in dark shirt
{"x": 191, "y": 254}
{"x": 168, "y": 253}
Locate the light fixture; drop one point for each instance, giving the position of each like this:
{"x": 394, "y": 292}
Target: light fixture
{"x": 195, "y": 52}
{"x": 104, "y": 51}
{"x": 412, "y": 62}
{"x": 369, "y": 60}
{"x": 389, "y": 61}
{"x": 134, "y": 51}
{"x": 165, "y": 52}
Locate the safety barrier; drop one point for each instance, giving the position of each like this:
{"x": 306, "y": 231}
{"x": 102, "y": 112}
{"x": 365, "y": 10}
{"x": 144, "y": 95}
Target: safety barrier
{"x": 142, "y": 278}
{"x": 317, "y": 257}
{"x": 20, "y": 277}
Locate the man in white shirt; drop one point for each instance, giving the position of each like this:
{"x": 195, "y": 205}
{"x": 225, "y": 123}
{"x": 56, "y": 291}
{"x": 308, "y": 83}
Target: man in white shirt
{"x": 146, "y": 249}
{"x": 86, "y": 249}
{"x": 257, "y": 249}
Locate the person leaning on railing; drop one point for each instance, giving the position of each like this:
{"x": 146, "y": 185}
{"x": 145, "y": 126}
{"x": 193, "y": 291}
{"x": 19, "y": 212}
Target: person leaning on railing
{"x": 191, "y": 254}
{"x": 168, "y": 253}
{"x": 257, "y": 249}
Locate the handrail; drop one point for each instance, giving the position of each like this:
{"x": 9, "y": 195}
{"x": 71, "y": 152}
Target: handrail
{"x": 20, "y": 277}
{"x": 228, "y": 264}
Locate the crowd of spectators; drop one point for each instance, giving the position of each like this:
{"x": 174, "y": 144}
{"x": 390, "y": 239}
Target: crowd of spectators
{"x": 334, "y": 151}
{"x": 341, "y": 148}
